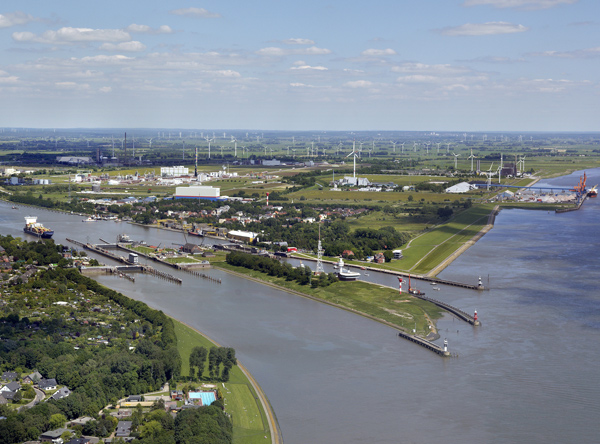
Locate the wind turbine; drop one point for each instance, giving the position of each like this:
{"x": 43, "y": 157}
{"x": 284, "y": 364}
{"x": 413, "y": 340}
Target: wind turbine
{"x": 234, "y": 141}
{"x": 489, "y": 173}
{"x": 150, "y": 141}
{"x": 471, "y": 157}
{"x": 353, "y": 154}
{"x": 415, "y": 146}
{"x": 394, "y": 143}
{"x": 402, "y": 147}
{"x": 447, "y": 147}
{"x": 209, "y": 140}
{"x": 438, "y": 144}
{"x": 455, "y": 160}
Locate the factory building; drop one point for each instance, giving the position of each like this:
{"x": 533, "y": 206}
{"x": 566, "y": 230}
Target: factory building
{"x": 198, "y": 192}
{"x": 174, "y": 171}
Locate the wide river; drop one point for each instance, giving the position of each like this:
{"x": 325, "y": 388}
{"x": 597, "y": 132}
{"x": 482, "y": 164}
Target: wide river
{"x": 528, "y": 374}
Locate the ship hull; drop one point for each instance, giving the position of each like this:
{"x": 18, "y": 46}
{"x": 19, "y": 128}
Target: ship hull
{"x": 43, "y": 235}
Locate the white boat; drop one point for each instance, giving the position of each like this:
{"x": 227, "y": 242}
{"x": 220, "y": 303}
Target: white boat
{"x": 89, "y": 219}
{"x": 344, "y": 274}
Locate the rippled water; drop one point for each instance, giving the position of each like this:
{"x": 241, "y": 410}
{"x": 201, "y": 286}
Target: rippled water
{"x": 528, "y": 374}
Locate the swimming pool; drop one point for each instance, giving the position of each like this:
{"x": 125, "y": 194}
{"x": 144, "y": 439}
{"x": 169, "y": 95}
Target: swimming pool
{"x": 207, "y": 398}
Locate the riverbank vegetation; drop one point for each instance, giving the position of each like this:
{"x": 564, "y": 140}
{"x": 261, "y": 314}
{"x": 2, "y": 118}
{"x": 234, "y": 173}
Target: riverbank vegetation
{"x": 100, "y": 347}
{"x": 378, "y": 302}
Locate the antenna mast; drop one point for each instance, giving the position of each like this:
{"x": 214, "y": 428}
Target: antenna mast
{"x": 320, "y": 268}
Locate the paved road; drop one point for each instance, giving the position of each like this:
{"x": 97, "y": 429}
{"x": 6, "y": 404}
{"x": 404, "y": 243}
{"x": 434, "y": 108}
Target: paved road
{"x": 39, "y": 395}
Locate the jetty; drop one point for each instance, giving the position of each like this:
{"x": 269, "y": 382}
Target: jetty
{"x": 455, "y": 311}
{"x": 442, "y": 351}
{"x": 133, "y": 267}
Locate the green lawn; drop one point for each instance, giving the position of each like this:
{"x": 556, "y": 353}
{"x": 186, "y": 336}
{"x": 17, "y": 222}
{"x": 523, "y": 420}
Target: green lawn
{"x": 380, "y": 302}
{"x": 249, "y": 425}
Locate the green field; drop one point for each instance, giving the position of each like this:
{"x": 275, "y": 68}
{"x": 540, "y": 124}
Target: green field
{"x": 382, "y": 303}
{"x": 249, "y": 422}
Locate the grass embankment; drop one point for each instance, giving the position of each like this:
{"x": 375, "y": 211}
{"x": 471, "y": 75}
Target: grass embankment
{"x": 250, "y": 425}
{"x": 380, "y": 303}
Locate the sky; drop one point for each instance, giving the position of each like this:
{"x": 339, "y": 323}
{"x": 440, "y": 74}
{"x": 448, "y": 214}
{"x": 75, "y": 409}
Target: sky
{"x": 418, "y": 65}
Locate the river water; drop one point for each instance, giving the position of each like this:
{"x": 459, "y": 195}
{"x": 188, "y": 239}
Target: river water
{"x": 528, "y": 374}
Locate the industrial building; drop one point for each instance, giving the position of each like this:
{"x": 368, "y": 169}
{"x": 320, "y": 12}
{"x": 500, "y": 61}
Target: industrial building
{"x": 244, "y": 236}
{"x": 174, "y": 171}
{"x": 198, "y": 192}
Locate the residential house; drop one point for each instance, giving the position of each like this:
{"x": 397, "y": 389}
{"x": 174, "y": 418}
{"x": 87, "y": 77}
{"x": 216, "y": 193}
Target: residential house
{"x": 3, "y": 400}
{"x": 11, "y": 387}
{"x": 47, "y": 384}
{"x": 78, "y": 441}
{"x": 54, "y": 435}
{"x": 135, "y": 398}
{"x": 379, "y": 258}
{"x": 191, "y": 248}
{"x": 176, "y": 395}
{"x": 61, "y": 393}
{"x": 9, "y": 376}
{"x": 123, "y": 429}
{"x": 33, "y": 378}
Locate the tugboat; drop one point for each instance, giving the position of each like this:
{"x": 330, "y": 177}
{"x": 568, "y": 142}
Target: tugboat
{"x": 414, "y": 291}
{"x": 32, "y": 226}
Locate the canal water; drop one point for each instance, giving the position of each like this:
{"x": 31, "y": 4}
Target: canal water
{"x": 528, "y": 374}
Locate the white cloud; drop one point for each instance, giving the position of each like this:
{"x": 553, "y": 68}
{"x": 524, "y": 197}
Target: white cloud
{"x": 225, "y": 73}
{"x": 489, "y": 28}
{"x": 195, "y": 12}
{"x": 72, "y": 86}
{"x": 145, "y": 29}
{"x": 421, "y": 68}
{"x": 73, "y": 35}
{"x": 378, "y": 52}
{"x": 359, "y": 84}
{"x": 575, "y": 54}
{"x": 5, "y": 78}
{"x": 133, "y": 46}
{"x": 105, "y": 89}
{"x": 298, "y": 42}
{"x": 14, "y": 18}
{"x": 104, "y": 59}
{"x": 308, "y": 67}
{"x": 300, "y": 85}
{"x": 521, "y": 4}
{"x": 280, "y": 52}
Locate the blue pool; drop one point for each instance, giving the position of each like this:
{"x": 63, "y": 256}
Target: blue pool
{"x": 207, "y": 398}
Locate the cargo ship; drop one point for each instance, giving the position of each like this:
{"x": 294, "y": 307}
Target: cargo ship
{"x": 32, "y": 226}
{"x": 593, "y": 192}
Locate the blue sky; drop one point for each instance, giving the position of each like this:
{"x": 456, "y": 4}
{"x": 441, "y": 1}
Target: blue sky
{"x": 439, "y": 65}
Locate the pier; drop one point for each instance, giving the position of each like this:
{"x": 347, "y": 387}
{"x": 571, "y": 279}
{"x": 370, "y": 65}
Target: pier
{"x": 425, "y": 343}
{"x": 455, "y": 311}
{"x": 131, "y": 267}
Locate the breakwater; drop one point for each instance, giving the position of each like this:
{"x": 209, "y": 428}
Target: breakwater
{"x": 455, "y": 311}
{"x": 425, "y": 343}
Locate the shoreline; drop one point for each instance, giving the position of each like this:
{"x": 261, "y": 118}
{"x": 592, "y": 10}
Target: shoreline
{"x": 317, "y": 299}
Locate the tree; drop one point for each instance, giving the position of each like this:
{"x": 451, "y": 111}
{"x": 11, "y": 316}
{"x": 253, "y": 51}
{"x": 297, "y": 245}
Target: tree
{"x": 197, "y": 359}
{"x": 57, "y": 421}
{"x": 388, "y": 255}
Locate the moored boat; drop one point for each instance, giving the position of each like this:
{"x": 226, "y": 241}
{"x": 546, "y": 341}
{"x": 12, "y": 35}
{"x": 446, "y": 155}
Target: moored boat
{"x": 32, "y": 226}
{"x": 345, "y": 274}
